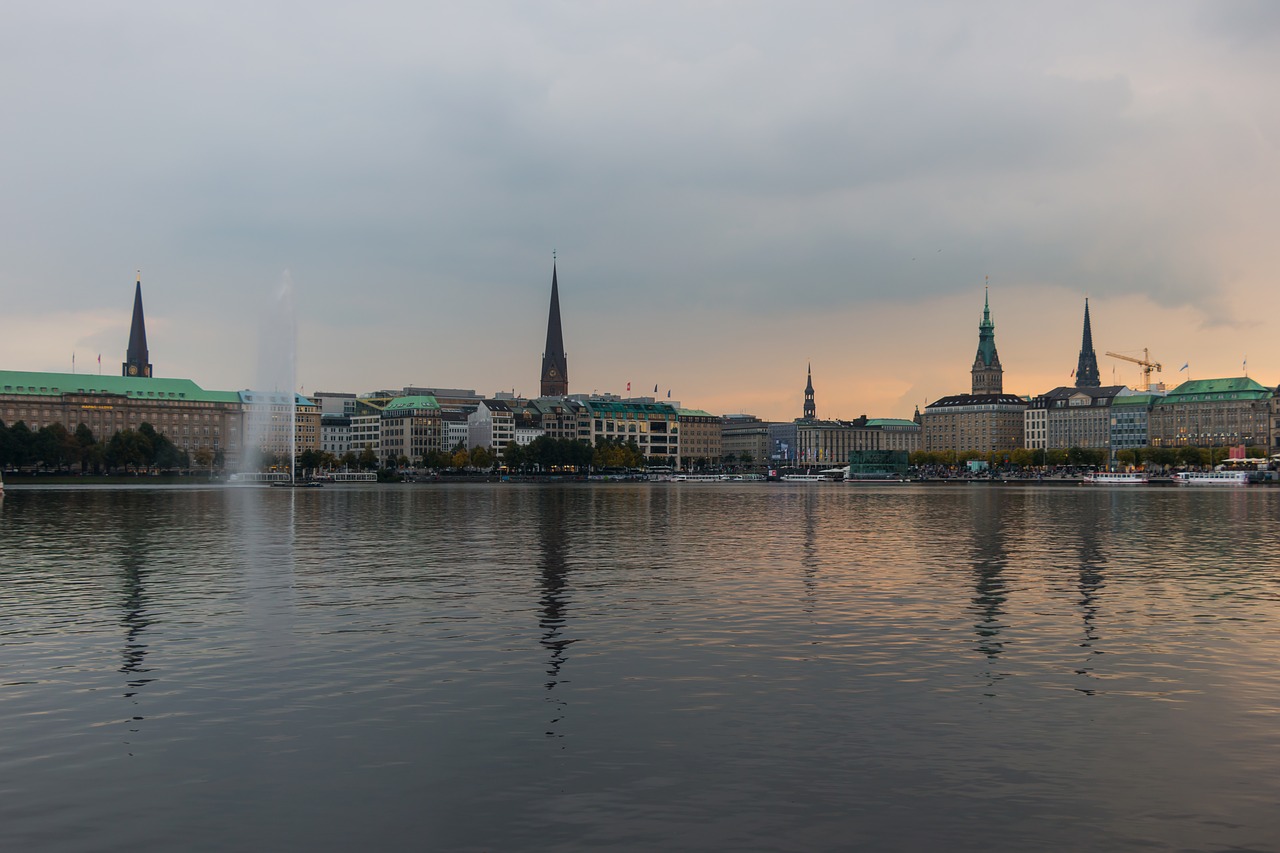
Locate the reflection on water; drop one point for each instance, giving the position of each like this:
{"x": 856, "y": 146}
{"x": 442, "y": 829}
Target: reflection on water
{"x": 676, "y": 667}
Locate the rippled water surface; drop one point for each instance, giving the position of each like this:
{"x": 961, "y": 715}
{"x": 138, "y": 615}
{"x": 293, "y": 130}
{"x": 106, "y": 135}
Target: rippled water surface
{"x": 640, "y": 667}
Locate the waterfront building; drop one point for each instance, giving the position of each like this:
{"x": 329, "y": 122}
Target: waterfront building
{"x": 1069, "y": 417}
{"x": 453, "y": 430}
{"x": 191, "y": 417}
{"x": 491, "y": 426}
{"x": 1035, "y": 424}
{"x": 700, "y": 438}
{"x": 1212, "y": 413}
{"x": 335, "y": 433}
{"x": 1086, "y": 373}
{"x": 654, "y": 427}
{"x": 830, "y": 442}
{"x": 411, "y": 428}
{"x": 555, "y": 366}
{"x": 1275, "y": 422}
{"x": 366, "y": 425}
{"x": 898, "y": 433}
{"x": 1130, "y": 417}
{"x": 273, "y": 423}
{"x": 986, "y": 420}
{"x": 985, "y": 423}
{"x": 744, "y": 436}
{"x": 557, "y": 417}
{"x": 782, "y": 443}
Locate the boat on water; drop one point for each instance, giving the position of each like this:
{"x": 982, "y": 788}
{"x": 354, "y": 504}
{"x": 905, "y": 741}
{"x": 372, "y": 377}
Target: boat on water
{"x": 1211, "y": 478}
{"x": 808, "y": 478}
{"x": 1115, "y": 478}
{"x": 699, "y": 478}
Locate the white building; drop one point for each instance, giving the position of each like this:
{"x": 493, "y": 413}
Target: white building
{"x": 491, "y": 426}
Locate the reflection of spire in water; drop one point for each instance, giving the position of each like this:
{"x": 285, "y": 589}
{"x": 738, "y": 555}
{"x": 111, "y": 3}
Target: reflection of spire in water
{"x": 554, "y": 598}
{"x": 809, "y": 551}
{"x": 990, "y": 588}
{"x": 1091, "y": 582}
{"x": 135, "y": 618}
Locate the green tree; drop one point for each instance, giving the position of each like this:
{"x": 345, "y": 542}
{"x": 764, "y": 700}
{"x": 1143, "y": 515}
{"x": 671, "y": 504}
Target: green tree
{"x": 1190, "y": 456}
{"x": 368, "y": 460}
{"x": 513, "y": 456}
{"x": 481, "y": 458}
{"x": 460, "y": 459}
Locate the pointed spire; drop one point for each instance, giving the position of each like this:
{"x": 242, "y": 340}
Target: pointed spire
{"x": 136, "y": 357}
{"x": 1087, "y": 367}
{"x": 555, "y": 367}
{"x": 810, "y": 409}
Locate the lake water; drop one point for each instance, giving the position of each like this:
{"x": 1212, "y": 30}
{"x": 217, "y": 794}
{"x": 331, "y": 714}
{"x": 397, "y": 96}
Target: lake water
{"x": 640, "y": 667}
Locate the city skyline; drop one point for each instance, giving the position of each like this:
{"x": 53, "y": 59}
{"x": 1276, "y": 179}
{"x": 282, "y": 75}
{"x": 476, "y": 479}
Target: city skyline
{"x": 730, "y": 199}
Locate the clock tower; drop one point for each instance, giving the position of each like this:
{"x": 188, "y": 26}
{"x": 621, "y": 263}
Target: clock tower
{"x": 555, "y": 367}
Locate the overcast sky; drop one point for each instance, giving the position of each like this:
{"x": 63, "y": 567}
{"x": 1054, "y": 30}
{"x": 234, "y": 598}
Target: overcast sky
{"x": 733, "y": 189}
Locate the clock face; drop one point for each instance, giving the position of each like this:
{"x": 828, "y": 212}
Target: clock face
{"x": 133, "y": 370}
{"x": 552, "y": 373}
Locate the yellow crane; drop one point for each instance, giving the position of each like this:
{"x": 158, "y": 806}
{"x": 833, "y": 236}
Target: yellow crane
{"x": 1146, "y": 363}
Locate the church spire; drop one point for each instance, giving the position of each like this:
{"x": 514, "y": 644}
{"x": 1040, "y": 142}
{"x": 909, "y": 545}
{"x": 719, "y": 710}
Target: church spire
{"x": 810, "y": 410}
{"x": 136, "y": 357}
{"x": 1087, "y": 366}
{"x": 555, "y": 367}
{"x": 988, "y": 375}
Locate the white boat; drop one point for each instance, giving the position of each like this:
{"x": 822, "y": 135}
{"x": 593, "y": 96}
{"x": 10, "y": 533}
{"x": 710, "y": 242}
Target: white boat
{"x": 1109, "y": 478}
{"x": 808, "y": 478}
{"x": 258, "y": 477}
{"x": 699, "y": 478}
{"x": 1212, "y": 478}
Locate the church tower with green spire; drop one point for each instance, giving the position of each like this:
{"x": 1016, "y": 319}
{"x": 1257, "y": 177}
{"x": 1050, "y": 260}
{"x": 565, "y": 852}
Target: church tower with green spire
{"x": 136, "y": 361}
{"x": 555, "y": 367}
{"x": 988, "y": 375}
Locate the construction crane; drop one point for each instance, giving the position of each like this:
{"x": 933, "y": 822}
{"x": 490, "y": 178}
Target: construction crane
{"x": 1146, "y": 363}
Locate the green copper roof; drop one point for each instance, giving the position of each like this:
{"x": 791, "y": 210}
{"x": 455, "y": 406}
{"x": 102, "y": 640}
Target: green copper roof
{"x": 987, "y": 334}
{"x": 1203, "y": 390}
{"x": 402, "y": 403}
{"x": 694, "y": 413}
{"x": 137, "y": 387}
{"x": 891, "y": 422}
{"x": 1136, "y": 400}
{"x": 611, "y": 407}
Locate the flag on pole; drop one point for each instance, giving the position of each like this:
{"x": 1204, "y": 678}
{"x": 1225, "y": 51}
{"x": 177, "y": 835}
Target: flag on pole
{"x": 655, "y": 388}
{"x": 668, "y": 393}
{"x": 1184, "y": 367}
{"x": 628, "y": 387}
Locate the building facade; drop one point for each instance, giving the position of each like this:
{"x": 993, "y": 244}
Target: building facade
{"x": 491, "y": 426}
{"x": 1212, "y": 413}
{"x": 700, "y": 438}
{"x": 188, "y": 415}
{"x": 744, "y": 436}
{"x": 410, "y": 429}
{"x": 654, "y": 427}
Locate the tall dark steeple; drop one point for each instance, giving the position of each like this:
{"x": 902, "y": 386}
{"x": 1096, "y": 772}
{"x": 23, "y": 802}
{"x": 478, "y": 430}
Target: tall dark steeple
{"x": 988, "y": 375}
{"x": 1087, "y": 367}
{"x": 810, "y": 410}
{"x": 555, "y": 367}
{"x": 136, "y": 358}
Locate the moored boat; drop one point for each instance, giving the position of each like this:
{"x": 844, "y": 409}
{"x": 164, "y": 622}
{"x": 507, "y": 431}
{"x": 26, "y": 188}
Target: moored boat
{"x": 1211, "y": 478}
{"x": 1115, "y": 478}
